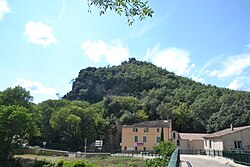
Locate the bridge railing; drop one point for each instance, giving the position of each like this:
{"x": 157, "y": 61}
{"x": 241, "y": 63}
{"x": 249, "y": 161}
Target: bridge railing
{"x": 175, "y": 159}
{"x": 238, "y": 156}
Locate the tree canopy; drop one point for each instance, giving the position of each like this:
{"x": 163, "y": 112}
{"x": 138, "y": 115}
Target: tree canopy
{"x": 129, "y": 8}
{"x": 193, "y": 106}
{"x": 17, "y": 121}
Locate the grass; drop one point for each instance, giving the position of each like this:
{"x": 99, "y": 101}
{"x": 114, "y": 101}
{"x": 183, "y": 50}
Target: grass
{"x": 100, "y": 161}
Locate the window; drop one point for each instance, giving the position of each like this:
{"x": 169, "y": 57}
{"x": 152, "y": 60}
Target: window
{"x": 135, "y": 129}
{"x": 178, "y": 142}
{"x": 205, "y": 141}
{"x": 173, "y": 135}
{"x": 237, "y": 144}
{"x": 210, "y": 143}
{"x": 144, "y": 139}
{"x": 158, "y": 130}
{"x": 145, "y": 129}
{"x": 158, "y": 139}
{"x": 125, "y": 148}
{"x": 136, "y": 139}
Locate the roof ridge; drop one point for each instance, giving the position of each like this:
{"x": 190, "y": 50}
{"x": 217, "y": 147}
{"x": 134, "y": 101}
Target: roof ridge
{"x": 226, "y": 131}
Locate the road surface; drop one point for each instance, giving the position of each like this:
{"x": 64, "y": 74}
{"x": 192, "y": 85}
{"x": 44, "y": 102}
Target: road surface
{"x": 205, "y": 161}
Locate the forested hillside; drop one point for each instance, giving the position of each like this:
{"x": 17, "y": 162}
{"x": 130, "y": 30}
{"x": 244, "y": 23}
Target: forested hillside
{"x": 159, "y": 94}
{"x": 104, "y": 99}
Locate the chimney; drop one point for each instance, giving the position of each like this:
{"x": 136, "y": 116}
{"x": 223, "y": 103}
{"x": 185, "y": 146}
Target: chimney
{"x": 232, "y": 127}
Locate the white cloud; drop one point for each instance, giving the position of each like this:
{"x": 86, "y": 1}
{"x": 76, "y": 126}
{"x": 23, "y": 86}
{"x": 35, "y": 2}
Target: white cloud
{"x": 236, "y": 85}
{"x": 39, "y": 33}
{"x": 248, "y": 45}
{"x": 35, "y": 87}
{"x": 113, "y": 53}
{"x": 4, "y": 8}
{"x": 213, "y": 73}
{"x": 197, "y": 79}
{"x": 234, "y": 65}
{"x": 173, "y": 59}
{"x": 151, "y": 52}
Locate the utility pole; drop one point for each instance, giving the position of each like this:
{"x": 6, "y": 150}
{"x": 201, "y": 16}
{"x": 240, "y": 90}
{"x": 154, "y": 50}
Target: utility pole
{"x": 85, "y": 147}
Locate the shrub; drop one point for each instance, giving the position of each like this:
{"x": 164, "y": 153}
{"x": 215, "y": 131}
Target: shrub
{"x": 132, "y": 164}
{"x": 165, "y": 149}
{"x": 62, "y": 163}
{"x": 48, "y": 165}
{"x": 42, "y": 163}
{"x": 11, "y": 163}
{"x": 59, "y": 163}
{"x": 157, "y": 162}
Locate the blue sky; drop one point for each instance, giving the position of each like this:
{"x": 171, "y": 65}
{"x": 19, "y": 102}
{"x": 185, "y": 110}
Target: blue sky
{"x": 44, "y": 44}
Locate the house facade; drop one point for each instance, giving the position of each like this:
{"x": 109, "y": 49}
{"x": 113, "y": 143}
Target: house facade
{"x": 228, "y": 139}
{"x": 188, "y": 142}
{"x": 145, "y": 135}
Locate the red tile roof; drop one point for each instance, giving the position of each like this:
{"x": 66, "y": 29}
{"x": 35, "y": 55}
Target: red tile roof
{"x": 157, "y": 123}
{"x": 192, "y": 136}
{"x": 226, "y": 132}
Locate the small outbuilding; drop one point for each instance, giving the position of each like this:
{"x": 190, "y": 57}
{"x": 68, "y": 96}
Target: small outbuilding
{"x": 189, "y": 142}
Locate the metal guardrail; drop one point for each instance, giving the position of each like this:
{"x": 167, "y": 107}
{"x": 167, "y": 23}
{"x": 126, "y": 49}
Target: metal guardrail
{"x": 175, "y": 159}
{"x": 238, "y": 156}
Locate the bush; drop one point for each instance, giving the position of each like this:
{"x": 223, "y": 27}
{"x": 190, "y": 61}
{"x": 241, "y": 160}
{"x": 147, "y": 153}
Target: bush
{"x": 157, "y": 162}
{"x": 132, "y": 164}
{"x": 62, "y": 163}
{"x": 10, "y": 163}
{"x": 42, "y": 163}
{"x": 59, "y": 163}
{"x": 48, "y": 165}
{"x": 165, "y": 149}
{"x": 80, "y": 164}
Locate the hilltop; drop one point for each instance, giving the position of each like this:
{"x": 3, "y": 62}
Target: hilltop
{"x": 194, "y": 107}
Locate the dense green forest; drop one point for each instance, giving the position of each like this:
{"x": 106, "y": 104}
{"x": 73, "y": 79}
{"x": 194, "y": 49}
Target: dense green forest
{"x": 103, "y": 99}
{"x": 159, "y": 94}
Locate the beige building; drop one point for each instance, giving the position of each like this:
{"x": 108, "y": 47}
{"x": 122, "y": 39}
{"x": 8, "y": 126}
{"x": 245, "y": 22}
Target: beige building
{"x": 227, "y": 139}
{"x": 189, "y": 142}
{"x": 145, "y": 135}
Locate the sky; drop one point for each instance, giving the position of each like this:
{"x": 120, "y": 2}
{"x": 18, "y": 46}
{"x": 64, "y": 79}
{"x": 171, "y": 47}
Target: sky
{"x": 44, "y": 44}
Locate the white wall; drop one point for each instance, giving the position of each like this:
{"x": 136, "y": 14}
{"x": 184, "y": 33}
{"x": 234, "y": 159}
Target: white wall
{"x": 216, "y": 144}
{"x": 227, "y": 142}
{"x": 243, "y": 135}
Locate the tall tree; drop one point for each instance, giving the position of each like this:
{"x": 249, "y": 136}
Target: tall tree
{"x": 17, "y": 120}
{"x": 16, "y": 128}
{"x": 16, "y": 96}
